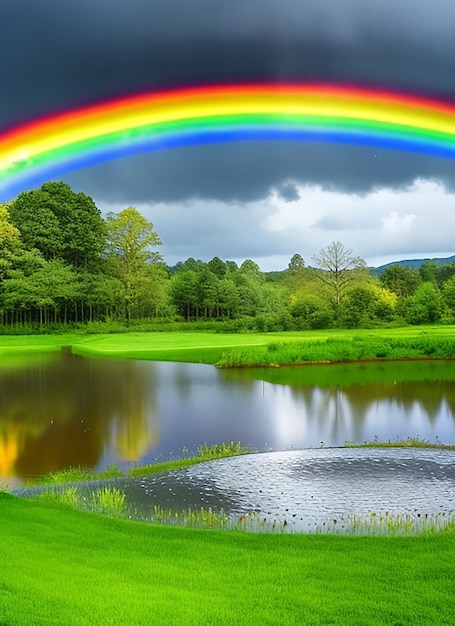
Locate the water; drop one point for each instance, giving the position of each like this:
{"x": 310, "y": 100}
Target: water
{"x": 325, "y": 490}
{"x": 63, "y": 410}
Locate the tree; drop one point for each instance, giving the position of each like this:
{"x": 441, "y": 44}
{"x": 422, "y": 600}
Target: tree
{"x": 217, "y": 267}
{"x": 130, "y": 237}
{"x": 31, "y": 214}
{"x": 448, "y": 293}
{"x": 340, "y": 268}
{"x": 10, "y": 242}
{"x": 61, "y": 224}
{"x": 296, "y": 264}
{"x": 425, "y": 306}
{"x": 401, "y": 280}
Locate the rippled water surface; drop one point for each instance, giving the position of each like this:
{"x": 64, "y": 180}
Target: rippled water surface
{"x": 305, "y": 490}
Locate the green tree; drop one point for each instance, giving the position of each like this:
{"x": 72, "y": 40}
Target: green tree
{"x": 184, "y": 293}
{"x": 61, "y": 224}
{"x": 426, "y": 306}
{"x": 10, "y": 242}
{"x": 429, "y": 271}
{"x": 217, "y": 267}
{"x": 296, "y": 264}
{"x": 38, "y": 225}
{"x": 448, "y": 293}
{"x": 130, "y": 238}
{"x": 403, "y": 281}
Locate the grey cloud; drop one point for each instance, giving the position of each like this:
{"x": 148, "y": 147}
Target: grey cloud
{"x": 249, "y": 171}
{"x": 288, "y": 191}
{"x": 62, "y": 54}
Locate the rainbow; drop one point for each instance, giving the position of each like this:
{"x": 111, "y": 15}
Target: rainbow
{"x": 48, "y": 147}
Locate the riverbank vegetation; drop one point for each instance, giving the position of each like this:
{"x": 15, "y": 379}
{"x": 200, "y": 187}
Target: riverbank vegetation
{"x": 205, "y": 452}
{"x": 62, "y": 566}
{"x": 64, "y": 267}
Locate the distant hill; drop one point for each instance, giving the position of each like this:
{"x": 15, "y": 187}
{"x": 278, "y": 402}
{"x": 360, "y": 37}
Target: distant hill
{"x": 414, "y": 263}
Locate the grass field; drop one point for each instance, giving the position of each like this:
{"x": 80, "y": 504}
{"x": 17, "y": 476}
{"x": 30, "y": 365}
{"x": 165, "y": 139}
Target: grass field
{"x": 61, "y": 566}
{"x": 203, "y": 347}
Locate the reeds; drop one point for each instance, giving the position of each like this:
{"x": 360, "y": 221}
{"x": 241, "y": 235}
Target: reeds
{"x": 106, "y": 501}
{"x": 338, "y": 350}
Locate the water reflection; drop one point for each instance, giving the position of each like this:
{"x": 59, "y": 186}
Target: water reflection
{"x": 64, "y": 410}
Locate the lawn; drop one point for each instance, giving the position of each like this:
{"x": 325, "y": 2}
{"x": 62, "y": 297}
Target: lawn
{"x": 61, "y": 566}
{"x": 205, "y": 347}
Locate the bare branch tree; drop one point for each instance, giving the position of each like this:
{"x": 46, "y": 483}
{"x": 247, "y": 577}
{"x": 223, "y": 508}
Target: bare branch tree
{"x": 340, "y": 267}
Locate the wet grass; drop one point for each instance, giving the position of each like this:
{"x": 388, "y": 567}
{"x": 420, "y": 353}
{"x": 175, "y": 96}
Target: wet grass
{"x": 61, "y": 566}
{"x": 373, "y": 523}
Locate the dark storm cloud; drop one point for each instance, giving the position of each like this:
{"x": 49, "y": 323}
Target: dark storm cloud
{"x": 60, "y": 54}
{"x": 249, "y": 171}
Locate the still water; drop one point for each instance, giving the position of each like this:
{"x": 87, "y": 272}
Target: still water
{"x": 62, "y": 410}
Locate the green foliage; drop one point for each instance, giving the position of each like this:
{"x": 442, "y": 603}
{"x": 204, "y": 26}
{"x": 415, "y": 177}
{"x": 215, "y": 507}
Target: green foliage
{"x": 221, "y": 450}
{"x": 62, "y": 267}
{"x": 403, "y": 281}
{"x": 340, "y": 350}
{"x": 61, "y": 224}
{"x": 425, "y": 306}
{"x": 78, "y": 475}
{"x": 109, "y": 501}
{"x": 130, "y": 237}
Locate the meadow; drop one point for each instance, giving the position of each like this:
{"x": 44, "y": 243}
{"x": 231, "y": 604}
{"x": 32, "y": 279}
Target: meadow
{"x": 61, "y": 566}
{"x": 249, "y": 349}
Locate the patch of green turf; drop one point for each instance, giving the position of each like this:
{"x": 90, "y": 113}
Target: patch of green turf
{"x": 61, "y": 566}
{"x": 205, "y": 347}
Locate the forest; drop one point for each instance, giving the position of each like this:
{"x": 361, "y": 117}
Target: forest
{"x": 62, "y": 265}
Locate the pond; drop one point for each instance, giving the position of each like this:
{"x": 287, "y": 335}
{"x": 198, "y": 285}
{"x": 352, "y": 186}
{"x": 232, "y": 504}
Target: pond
{"x": 61, "y": 410}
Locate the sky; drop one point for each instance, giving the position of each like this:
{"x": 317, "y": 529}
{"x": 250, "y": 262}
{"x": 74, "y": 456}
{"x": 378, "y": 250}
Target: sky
{"x": 265, "y": 200}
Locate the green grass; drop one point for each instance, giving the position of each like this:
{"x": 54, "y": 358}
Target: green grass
{"x": 336, "y": 350}
{"x": 61, "y": 566}
{"x": 248, "y": 348}
{"x": 410, "y": 442}
{"x": 205, "y": 452}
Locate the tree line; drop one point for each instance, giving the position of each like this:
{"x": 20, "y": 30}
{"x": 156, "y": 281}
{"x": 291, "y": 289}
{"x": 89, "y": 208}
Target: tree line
{"x": 62, "y": 263}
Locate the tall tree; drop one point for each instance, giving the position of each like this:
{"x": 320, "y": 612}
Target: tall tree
{"x": 61, "y": 224}
{"x": 340, "y": 267}
{"x": 130, "y": 238}
{"x": 10, "y": 242}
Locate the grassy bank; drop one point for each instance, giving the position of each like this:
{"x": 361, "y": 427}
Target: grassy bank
{"x": 340, "y": 351}
{"x": 204, "y": 453}
{"x": 250, "y": 349}
{"x": 61, "y": 566}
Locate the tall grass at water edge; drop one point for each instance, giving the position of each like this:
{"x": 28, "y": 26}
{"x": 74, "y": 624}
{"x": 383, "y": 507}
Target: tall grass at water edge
{"x": 334, "y": 350}
{"x": 205, "y": 452}
{"x": 112, "y": 502}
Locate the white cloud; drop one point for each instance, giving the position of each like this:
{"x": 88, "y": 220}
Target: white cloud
{"x": 384, "y": 225}
{"x": 398, "y": 223}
